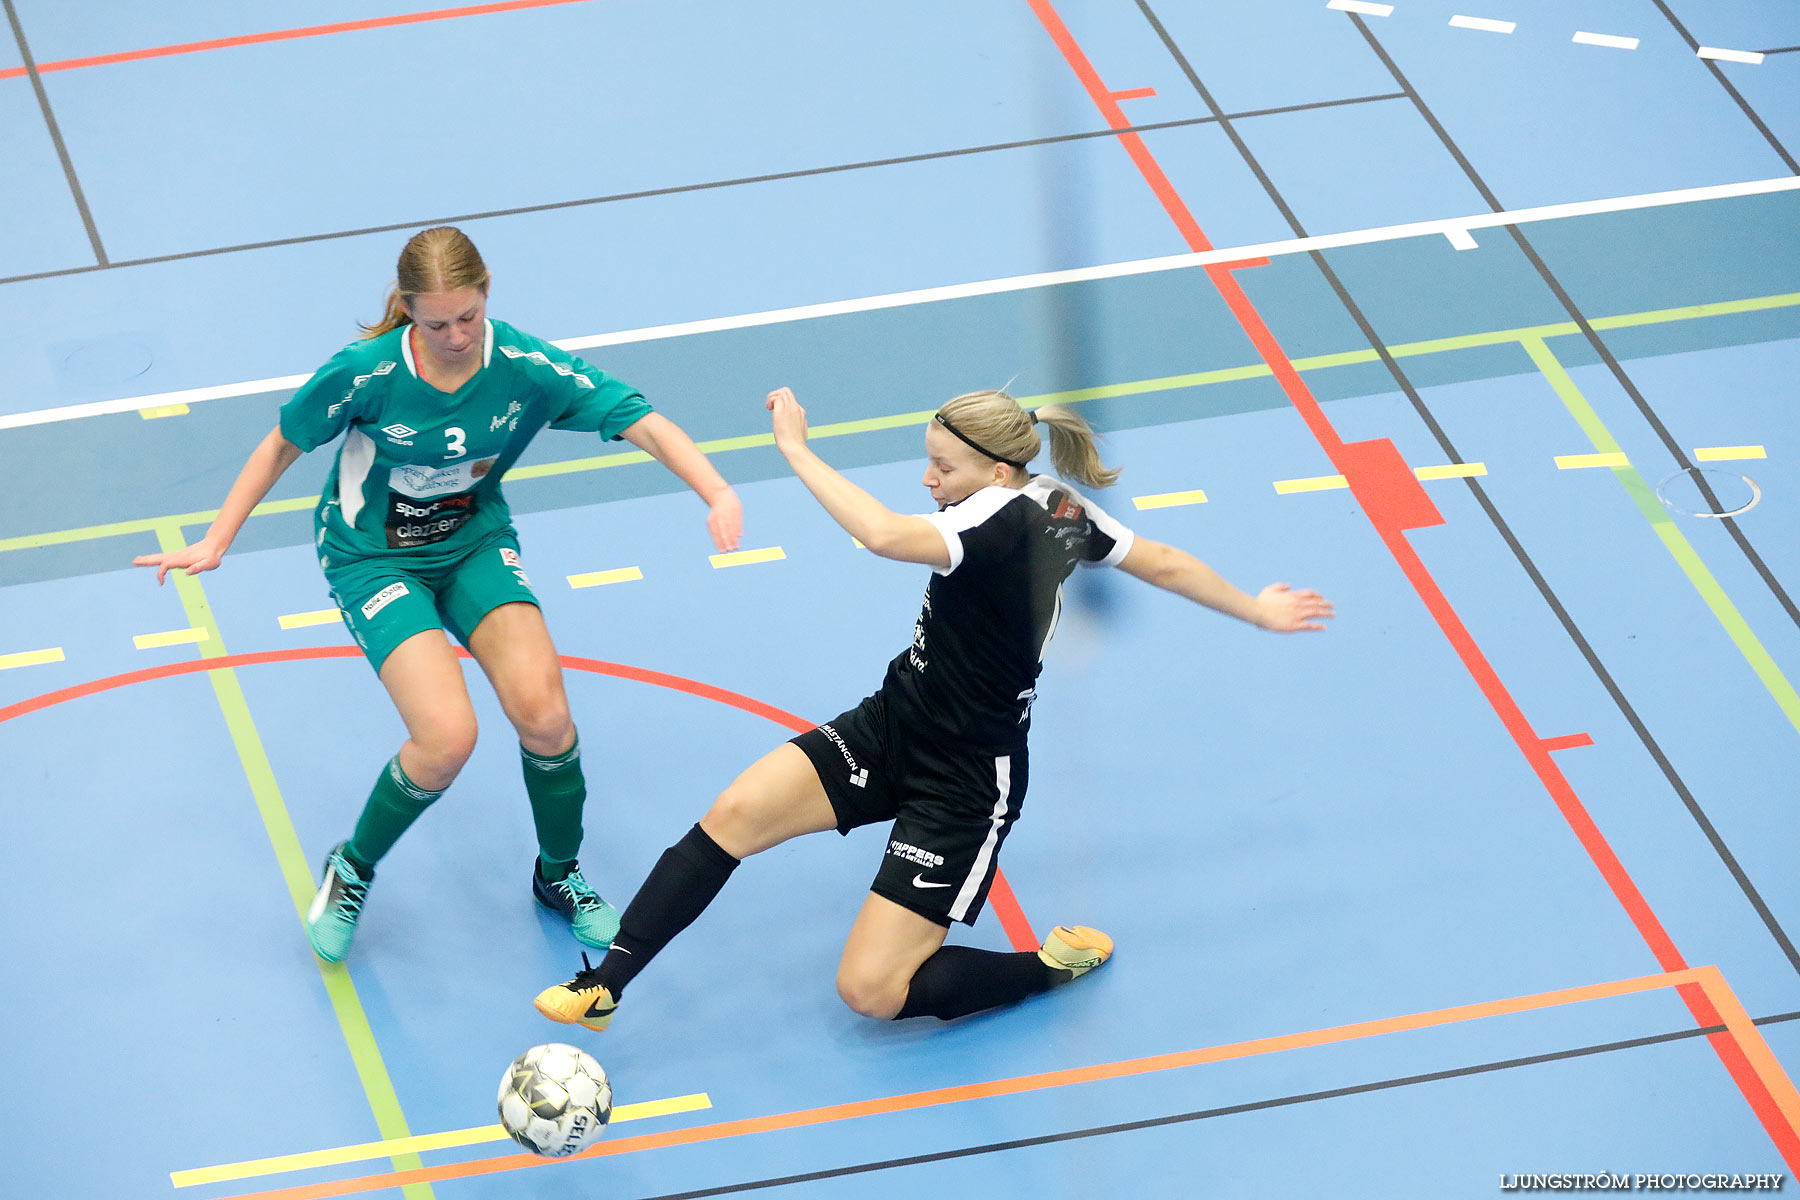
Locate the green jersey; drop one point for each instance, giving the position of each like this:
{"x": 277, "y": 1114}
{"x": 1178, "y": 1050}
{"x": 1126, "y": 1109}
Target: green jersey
{"x": 419, "y": 471}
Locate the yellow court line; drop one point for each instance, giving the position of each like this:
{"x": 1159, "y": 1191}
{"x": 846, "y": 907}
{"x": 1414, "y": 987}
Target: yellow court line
{"x": 1571, "y": 462}
{"x": 1317, "y": 483}
{"x": 1170, "y": 499}
{"x": 175, "y": 637}
{"x": 1727, "y": 453}
{"x": 165, "y": 410}
{"x": 596, "y": 578}
{"x": 31, "y": 658}
{"x": 1451, "y": 471}
{"x": 322, "y": 616}
{"x": 743, "y": 557}
{"x": 412, "y": 1145}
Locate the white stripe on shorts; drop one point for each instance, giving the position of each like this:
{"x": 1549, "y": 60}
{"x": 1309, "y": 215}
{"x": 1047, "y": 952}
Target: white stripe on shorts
{"x": 972, "y": 885}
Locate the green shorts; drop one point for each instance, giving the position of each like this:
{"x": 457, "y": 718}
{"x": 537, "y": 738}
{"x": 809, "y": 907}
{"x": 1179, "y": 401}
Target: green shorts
{"x": 384, "y": 601}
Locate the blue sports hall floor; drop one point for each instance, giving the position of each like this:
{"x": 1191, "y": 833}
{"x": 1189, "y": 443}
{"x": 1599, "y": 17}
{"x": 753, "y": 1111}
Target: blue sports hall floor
{"x": 1484, "y": 321}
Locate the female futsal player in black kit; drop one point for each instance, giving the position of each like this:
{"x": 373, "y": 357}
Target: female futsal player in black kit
{"x": 940, "y": 749}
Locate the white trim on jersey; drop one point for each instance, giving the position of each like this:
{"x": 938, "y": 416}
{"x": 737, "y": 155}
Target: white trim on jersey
{"x": 971, "y": 885}
{"x": 1040, "y": 488}
{"x": 487, "y": 347}
{"x": 967, "y": 514}
{"x": 354, "y": 461}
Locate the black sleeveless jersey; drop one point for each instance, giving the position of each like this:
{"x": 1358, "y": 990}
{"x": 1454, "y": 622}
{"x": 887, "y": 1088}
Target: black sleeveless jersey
{"x": 971, "y": 672}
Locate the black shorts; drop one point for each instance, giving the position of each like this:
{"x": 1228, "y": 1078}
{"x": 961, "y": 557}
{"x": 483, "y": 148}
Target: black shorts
{"x": 951, "y": 806}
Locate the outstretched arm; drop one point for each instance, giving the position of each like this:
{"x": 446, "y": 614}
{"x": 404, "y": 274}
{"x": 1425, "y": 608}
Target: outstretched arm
{"x": 273, "y": 456}
{"x": 665, "y": 441}
{"x": 1276, "y": 607}
{"x": 868, "y": 520}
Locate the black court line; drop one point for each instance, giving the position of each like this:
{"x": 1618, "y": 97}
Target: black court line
{"x": 1205, "y": 1114}
{"x": 1718, "y": 73}
{"x": 1487, "y": 505}
{"x": 679, "y": 189}
{"x": 1681, "y": 789}
{"x": 1781, "y": 50}
{"x": 1593, "y": 337}
{"x": 56, "y": 137}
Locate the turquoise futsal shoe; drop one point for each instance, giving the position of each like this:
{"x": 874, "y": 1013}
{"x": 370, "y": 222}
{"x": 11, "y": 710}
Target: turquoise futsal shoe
{"x": 596, "y": 923}
{"x": 331, "y": 921}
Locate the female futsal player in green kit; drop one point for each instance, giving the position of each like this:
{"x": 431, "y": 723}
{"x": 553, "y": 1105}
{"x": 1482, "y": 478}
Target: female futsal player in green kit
{"x": 416, "y": 541}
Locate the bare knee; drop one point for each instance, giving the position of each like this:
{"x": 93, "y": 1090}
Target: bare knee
{"x": 438, "y": 751}
{"x": 880, "y": 997}
{"x": 736, "y": 821}
{"x": 541, "y": 718}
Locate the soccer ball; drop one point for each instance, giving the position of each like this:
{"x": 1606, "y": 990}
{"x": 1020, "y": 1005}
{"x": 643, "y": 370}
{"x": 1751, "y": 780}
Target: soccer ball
{"x": 555, "y": 1100}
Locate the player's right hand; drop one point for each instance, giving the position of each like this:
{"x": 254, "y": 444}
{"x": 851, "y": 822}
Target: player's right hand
{"x": 193, "y": 559}
{"x": 789, "y": 420}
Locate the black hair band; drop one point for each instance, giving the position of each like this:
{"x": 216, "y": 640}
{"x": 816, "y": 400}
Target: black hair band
{"x": 970, "y": 442}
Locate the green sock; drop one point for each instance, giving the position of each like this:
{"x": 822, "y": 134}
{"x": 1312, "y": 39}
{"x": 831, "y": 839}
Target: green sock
{"x": 557, "y": 791}
{"x": 395, "y": 804}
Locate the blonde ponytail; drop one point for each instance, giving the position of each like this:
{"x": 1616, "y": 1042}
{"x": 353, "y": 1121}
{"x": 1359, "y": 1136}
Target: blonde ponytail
{"x": 995, "y": 424}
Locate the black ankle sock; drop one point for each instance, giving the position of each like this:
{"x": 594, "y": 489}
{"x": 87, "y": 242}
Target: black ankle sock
{"x": 683, "y": 882}
{"x": 959, "y": 980}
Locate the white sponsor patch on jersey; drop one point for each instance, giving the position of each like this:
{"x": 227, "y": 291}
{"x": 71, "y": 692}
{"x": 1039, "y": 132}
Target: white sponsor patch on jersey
{"x": 382, "y": 599}
{"x": 422, "y": 482}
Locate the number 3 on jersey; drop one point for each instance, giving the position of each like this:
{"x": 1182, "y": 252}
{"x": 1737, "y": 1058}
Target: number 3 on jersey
{"x": 454, "y": 437}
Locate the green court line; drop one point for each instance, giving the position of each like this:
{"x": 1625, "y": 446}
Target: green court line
{"x": 1167, "y": 383}
{"x": 1672, "y": 538}
{"x": 384, "y": 1102}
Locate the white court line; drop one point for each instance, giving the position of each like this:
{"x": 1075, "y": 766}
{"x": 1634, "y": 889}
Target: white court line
{"x": 1753, "y": 57}
{"x": 1453, "y": 228}
{"x": 1605, "y": 39}
{"x": 1363, "y": 7}
{"x": 1485, "y": 24}
{"x": 1462, "y": 239}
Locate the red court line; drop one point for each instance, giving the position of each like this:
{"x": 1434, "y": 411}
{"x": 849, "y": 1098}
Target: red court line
{"x": 1000, "y": 896}
{"x": 282, "y": 35}
{"x": 1392, "y": 509}
{"x": 1568, "y": 741}
{"x": 1143, "y": 93}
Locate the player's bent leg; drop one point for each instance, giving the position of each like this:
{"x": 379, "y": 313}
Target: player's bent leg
{"x": 779, "y": 797}
{"x": 959, "y": 980}
{"x": 426, "y": 685}
{"x": 886, "y": 947}
{"x": 425, "y": 682}
{"x": 512, "y": 644}
{"x": 513, "y": 647}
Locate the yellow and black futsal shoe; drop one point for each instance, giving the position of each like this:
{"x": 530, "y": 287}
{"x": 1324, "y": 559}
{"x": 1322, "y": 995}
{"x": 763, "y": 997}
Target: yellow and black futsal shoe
{"x": 1075, "y": 948}
{"x": 580, "y": 1001}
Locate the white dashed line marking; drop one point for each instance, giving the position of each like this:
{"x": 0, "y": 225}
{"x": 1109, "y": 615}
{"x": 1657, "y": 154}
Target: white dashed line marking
{"x": 1753, "y": 57}
{"x": 1605, "y": 39}
{"x": 1363, "y": 7}
{"x": 1485, "y": 24}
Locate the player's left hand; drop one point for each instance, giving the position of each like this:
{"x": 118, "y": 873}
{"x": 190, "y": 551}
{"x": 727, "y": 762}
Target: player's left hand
{"x": 726, "y": 521}
{"x": 789, "y": 420}
{"x": 1282, "y": 610}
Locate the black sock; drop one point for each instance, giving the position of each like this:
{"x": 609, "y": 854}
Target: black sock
{"x": 683, "y": 882}
{"x": 959, "y": 980}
